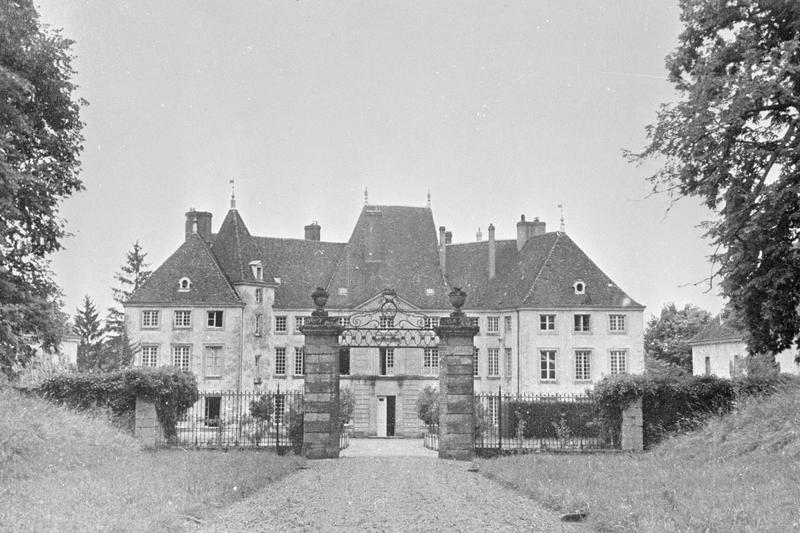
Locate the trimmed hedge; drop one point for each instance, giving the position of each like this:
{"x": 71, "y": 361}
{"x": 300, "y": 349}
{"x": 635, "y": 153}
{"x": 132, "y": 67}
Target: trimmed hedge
{"x": 677, "y": 404}
{"x": 172, "y": 392}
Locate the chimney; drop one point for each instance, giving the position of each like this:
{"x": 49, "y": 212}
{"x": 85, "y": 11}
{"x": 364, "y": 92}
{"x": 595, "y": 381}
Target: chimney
{"x": 442, "y": 249}
{"x": 198, "y": 222}
{"x": 526, "y": 230}
{"x": 313, "y": 231}
{"x": 448, "y": 237}
{"x": 479, "y": 235}
{"x": 491, "y": 252}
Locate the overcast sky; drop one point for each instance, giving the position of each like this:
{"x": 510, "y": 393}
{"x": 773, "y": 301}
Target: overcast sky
{"x": 497, "y": 108}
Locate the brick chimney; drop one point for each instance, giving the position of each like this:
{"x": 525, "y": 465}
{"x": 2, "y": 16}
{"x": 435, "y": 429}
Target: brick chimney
{"x": 448, "y": 237}
{"x": 313, "y": 231}
{"x": 491, "y": 252}
{"x": 526, "y": 230}
{"x": 479, "y": 235}
{"x": 198, "y": 222}
{"x": 442, "y": 248}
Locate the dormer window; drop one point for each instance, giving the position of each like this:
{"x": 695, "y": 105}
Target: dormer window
{"x": 580, "y": 287}
{"x": 258, "y": 270}
{"x": 184, "y": 284}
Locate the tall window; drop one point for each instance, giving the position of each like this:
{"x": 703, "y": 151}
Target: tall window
{"x": 619, "y": 361}
{"x": 299, "y": 361}
{"x": 431, "y": 322}
{"x": 299, "y": 321}
{"x": 150, "y": 355}
{"x": 280, "y": 324}
{"x": 509, "y": 363}
{"x": 475, "y": 362}
{"x": 386, "y": 361}
{"x": 181, "y": 357}
{"x": 214, "y": 319}
{"x": 258, "y": 318}
{"x": 149, "y": 319}
{"x": 387, "y": 322}
{"x": 213, "y": 361}
{"x": 259, "y": 296}
{"x": 507, "y": 323}
{"x": 280, "y": 361}
{"x": 616, "y": 323}
{"x": 583, "y": 365}
{"x": 582, "y": 323}
{"x": 344, "y": 361}
{"x": 183, "y": 319}
{"x": 492, "y": 408}
{"x": 493, "y": 325}
{"x": 493, "y": 362}
{"x": 474, "y": 322}
{"x": 547, "y": 322}
{"x": 280, "y": 407}
{"x": 547, "y": 365}
{"x": 430, "y": 361}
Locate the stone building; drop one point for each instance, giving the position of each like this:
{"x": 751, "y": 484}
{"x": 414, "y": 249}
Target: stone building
{"x": 228, "y": 307}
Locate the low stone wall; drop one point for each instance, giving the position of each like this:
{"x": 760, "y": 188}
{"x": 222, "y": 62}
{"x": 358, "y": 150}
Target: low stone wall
{"x": 632, "y": 438}
{"x": 147, "y": 429}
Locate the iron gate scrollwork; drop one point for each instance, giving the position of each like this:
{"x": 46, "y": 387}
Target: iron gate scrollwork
{"x": 389, "y": 325}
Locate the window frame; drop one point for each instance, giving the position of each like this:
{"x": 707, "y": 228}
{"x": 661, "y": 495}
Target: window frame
{"x": 211, "y": 319}
{"x": 386, "y": 322}
{"x": 548, "y": 365}
{"x": 585, "y": 368}
{"x": 299, "y": 322}
{"x": 299, "y": 357}
{"x": 149, "y": 324}
{"x": 493, "y": 321}
{"x": 429, "y": 357}
{"x": 280, "y": 361}
{"x": 259, "y": 296}
{"x": 344, "y": 355}
{"x": 476, "y": 368}
{"x": 187, "y": 313}
{"x": 509, "y": 362}
{"x": 219, "y": 359}
{"x": 544, "y": 320}
{"x": 493, "y": 362}
{"x": 615, "y": 353}
{"x": 188, "y": 356}
{"x": 613, "y": 323}
{"x": 585, "y": 323}
{"x": 154, "y": 355}
{"x": 507, "y": 323}
{"x": 281, "y": 324}
{"x": 386, "y": 361}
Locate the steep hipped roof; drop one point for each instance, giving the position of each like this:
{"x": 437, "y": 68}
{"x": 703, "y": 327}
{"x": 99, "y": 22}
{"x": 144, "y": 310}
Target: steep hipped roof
{"x": 715, "y": 331}
{"x": 234, "y": 249}
{"x": 193, "y": 260}
{"x": 391, "y": 247}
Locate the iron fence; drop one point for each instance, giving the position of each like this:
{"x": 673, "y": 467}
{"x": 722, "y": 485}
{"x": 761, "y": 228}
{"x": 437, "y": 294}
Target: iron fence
{"x": 521, "y": 423}
{"x": 430, "y": 439}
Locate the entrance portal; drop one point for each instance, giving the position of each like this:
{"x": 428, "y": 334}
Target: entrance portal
{"x": 385, "y": 416}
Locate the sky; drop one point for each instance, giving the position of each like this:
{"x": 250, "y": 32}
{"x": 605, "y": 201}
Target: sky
{"x": 497, "y": 109}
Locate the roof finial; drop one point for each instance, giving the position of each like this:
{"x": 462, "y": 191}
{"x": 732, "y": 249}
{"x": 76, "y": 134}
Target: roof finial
{"x": 366, "y": 196}
{"x": 429, "y": 197}
{"x": 561, "y": 206}
{"x": 233, "y": 194}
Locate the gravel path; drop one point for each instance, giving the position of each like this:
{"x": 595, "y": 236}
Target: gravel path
{"x": 386, "y": 494}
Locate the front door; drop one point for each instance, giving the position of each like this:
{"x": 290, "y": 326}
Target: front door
{"x": 381, "y": 418}
{"x": 386, "y": 416}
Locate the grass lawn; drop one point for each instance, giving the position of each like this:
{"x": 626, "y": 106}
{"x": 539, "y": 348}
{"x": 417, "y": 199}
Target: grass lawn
{"x": 739, "y": 473}
{"x": 63, "y": 471}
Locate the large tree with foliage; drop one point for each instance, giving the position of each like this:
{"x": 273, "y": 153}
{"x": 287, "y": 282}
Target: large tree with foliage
{"x": 40, "y": 140}
{"x": 90, "y": 330}
{"x": 733, "y": 140}
{"x": 666, "y": 337}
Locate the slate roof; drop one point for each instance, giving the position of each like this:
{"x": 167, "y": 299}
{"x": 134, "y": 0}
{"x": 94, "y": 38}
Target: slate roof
{"x": 194, "y": 260}
{"x": 390, "y": 247}
{"x": 715, "y": 331}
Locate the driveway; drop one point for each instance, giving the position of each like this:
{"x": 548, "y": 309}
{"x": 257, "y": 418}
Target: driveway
{"x": 375, "y": 488}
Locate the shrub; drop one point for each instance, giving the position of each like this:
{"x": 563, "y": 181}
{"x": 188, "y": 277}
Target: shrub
{"x": 347, "y": 404}
{"x": 171, "y": 391}
{"x": 428, "y": 406}
{"x": 536, "y": 419}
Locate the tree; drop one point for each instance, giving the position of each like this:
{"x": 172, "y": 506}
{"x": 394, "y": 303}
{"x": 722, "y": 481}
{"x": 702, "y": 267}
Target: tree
{"x": 40, "y": 141}
{"x": 666, "y": 338}
{"x": 733, "y": 140}
{"x": 90, "y": 331}
{"x": 118, "y": 352}
{"x": 428, "y": 406}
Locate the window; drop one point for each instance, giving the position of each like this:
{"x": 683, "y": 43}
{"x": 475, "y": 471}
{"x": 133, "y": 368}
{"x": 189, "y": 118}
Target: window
{"x": 343, "y": 321}
{"x": 616, "y": 323}
{"x": 429, "y": 292}
{"x": 580, "y": 287}
{"x": 299, "y": 321}
{"x": 474, "y": 322}
{"x": 509, "y": 363}
{"x": 547, "y": 365}
{"x": 386, "y": 361}
{"x": 492, "y": 408}
{"x": 257, "y": 331}
{"x": 431, "y": 322}
{"x": 280, "y": 408}
{"x": 299, "y": 361}
{"x": 213, "y": 362}
{"x": 214, "y": 319}
{"x": 149, "y": 319}
{"x": 344, "y": 361}
{"x": 150, "y": 355}
{"x": 507, "y": 323}
{"x": 259, "y": 296}
{"x": 184, "y": 285}
{"x": 430, "y": 361}
{"x": 494, "y": 324}
{"x": 547, "y": 322}
{"x": 708, "y": 366}
{"x": 475, "y": 362}
{"x": 280, "y": 361}
{"x": 280, "y": 324}
{"x": 183, "y": 319}
{"x": 342, "y": 291}
{"x": 213, "y": 410}
{"x": 619, "y": 361}
{"x": 181, "y": 357}
{"x": 387, "y": 322}
{"x": 257, "y": 268}
{"x": 494, "y": 363}
{"x": 582, "y": 323}
{"x": 583, "y": 365}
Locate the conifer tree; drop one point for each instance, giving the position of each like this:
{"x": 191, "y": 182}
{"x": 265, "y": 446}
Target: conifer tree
{"x": 90, "y": 331}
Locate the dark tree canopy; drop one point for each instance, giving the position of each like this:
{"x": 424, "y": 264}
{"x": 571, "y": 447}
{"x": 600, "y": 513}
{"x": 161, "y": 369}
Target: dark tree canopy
{"x": 40, "y": 140}
{"x": 666, "y": 337}
{"x": 733, "y": 140}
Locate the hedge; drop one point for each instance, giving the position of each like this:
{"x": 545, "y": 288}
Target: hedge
{"x": 543, "y": 419}
{"x": 172, "y": 392}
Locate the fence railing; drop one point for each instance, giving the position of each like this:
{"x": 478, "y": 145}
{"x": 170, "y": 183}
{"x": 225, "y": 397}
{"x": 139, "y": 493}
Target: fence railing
{"x": 513, "y": 423}
{"x": 430, "y": 439}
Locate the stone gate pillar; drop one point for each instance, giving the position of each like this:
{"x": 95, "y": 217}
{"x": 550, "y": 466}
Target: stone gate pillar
{"x": 456, "y": 385}
{"x": 321, "y": 391}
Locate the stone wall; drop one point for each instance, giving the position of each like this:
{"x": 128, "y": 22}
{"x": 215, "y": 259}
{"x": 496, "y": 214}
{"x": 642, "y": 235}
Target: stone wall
{"x": 633, "y": 427}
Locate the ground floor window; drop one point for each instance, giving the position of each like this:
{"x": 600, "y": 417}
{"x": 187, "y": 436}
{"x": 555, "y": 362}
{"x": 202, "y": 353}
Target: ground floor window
{"x": 430, "y": 361}
{"x": 547, "y": 365}
{"x": 181, "y": 355}
{"x": 492, "y": 410}
{"x": 344, "y": 361}
{"x": 213, "y": 410}
{"x": 150, "y": 355}
{"x": 494, "y": 362}
{"x": 619, "y": 361}
{"x": 583, "y": 365}
{"x": 386, "y": 356}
